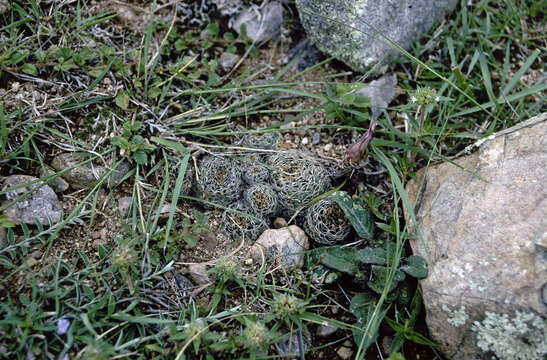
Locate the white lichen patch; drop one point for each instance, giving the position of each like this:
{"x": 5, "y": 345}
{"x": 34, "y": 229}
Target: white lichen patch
{"x": 456, "y": 317}
{"x": 522, "y": 337}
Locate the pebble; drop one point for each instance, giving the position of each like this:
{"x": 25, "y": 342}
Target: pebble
{"x": 228, "y": 60}
{"x": 209, "y": 240}
{"x": 124, "y": 204}
{"x": 58, "y": 184}
{"x": 325, "y": 330}
{"x": 285, "y": 247}
{"x": 198, "y": 273}
{"x": 316, "y": 139}
{"x": 261, "y": 26}
{"x": 279, "y": 223}
{"x": 42, "y": 204}
{"x": 305, "y": 141}
{"x": 344, "y": 353}
{"x": 328, "y": 147}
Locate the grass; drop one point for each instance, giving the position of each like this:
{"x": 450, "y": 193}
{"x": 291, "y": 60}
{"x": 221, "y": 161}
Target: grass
{"x": 71, "y": 81}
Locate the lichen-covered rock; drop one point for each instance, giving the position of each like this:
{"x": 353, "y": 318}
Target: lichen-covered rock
{"x": 484, "y": 237}
{"x": 355, "y": 31}
{"x": 38, "y": 202}
{"x": 283, "y": 247}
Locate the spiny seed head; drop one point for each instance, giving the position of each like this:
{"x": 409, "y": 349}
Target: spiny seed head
{"x": 227, "y": 268}
{"x": 123, "y": 257}
{"x": 286, "y": 305}
{"x": 256, "y": 335}
{"x": 424, "y": 96}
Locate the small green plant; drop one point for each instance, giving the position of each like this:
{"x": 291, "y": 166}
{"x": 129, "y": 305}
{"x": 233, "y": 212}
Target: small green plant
{"x": 256, "y": 337}
{"x": 286, "y": 308}
{"x": 132, "y": 145}
{"x": 345, "y": 104}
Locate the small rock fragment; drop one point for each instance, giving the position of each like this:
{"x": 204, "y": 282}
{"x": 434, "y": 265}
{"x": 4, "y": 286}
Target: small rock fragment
{"x": 198, "y": 273}
{"x": 344, "y": 353}
{"x": 284, "y": 247}
{"x": 304, "y": 141}
{"x": 58, "y": 184}
{"x": 279, "y": 223}
{"x": 380, "y": 93}
{"x": 228, "y": 60}
{"x": 41, "y": 204}
{"x": 209, "y": 240}
{"x": 124, "y": 204}
{"x": 261, "y": 25}
{"x": 316, "y": 139}
{"x": 326, "y": 330}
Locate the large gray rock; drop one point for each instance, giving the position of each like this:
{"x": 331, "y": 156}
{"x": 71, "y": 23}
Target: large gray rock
{"x": 38, "y": 201}
{"x": 484, "y": 231}
{"x": 355, "y": 31}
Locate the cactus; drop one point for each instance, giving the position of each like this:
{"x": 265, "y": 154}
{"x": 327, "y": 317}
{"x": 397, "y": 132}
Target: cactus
{"x": 268, "y": 140}
{"x": 297, "y": 179}
{"x": 219, "y": 180}
{"x": 238, "y": 225}
{"x": 261, "y": 199}
{"x": 326, "y": 222}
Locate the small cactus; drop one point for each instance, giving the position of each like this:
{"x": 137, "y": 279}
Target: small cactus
{"x": 326, "y": 222}
{"x": 239, "y": 226}
{"x": 219, "y": 180}
{"x": 268, "y": 140}
{"x": 261, "y": 199}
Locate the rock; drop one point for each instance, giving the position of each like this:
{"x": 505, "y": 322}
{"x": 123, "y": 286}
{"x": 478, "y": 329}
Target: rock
{"x": 279, "y": 223}
{"x": 228, "y": 60}
{"x": 124, "y": 204}
{"x": 87, "y": 176}
{"x": 316, "y": 138}
{"x": 284, "y": 247}
{"x": 58, "y": 184}
{"x": 306, "y": 53}
{"x": 41, "y": 204}
{"x": 326, "y": 330}
{"x": 198, "y": 273}
{"x": 293, "y": 344}
{"x": 484, "y": 231}
{"x": 380, "y": 92}
{"x": 344, "y": 352}
{"x": 355, "y": 31}
{"x": 304, "y": 141}
{"x": 209, "y": 240}
{"x": 261, "y": 25}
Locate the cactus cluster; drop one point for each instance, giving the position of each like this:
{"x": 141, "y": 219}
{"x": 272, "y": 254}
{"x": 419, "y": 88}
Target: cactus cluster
{"x": 278, "y": 184}
{"x": 268, "y": 140}
{"x": 326, "y": 222}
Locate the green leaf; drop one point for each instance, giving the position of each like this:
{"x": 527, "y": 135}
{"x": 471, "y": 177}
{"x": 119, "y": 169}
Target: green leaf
{"x": 341, "y": 259}
{"x": 213, "y": 29}
{"x": 140, "y": 157}
{"x": 372, "y": 256}
{"x": 416, "y": 266}
{"x": 362, "y": 306}
{"x": 30, "y": 69}
{"x": 122, "y": 100}
{"x": 379, "y": 279}
{"x": 357, "y": 214}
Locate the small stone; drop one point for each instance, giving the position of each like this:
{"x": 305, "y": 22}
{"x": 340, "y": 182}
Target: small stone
{"x": 261, "y": 25}
{"x": 289, "y": 346}
{"x": 248, "y": 262}
{"x": 163, "y": 212}
{"x": 124, "y": 204}
{"x": 304, "y": 141}
{"x": 326, "y": 330}
{"x": 198, "y": 273}
{"x": 58, "y": 184}
{"x": 328, "y": 147}
{"x": 316, "y": 139}
{"x": 228, "y": 60}
{"x": 279, "y": 223}
{"x": 344, "y": 353}
{"x": 284, "y": 247}
{"x": 41, "y": 204}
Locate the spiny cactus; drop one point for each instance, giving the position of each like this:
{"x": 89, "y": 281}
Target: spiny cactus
{"x": 326, "y": 222}
{"x": 219, "y": 180}
{"x": 261, "y": 199}
{"x": 297, "y": 179}
{"x": 237, "y": 225}
{"x": 268, "y": 140}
